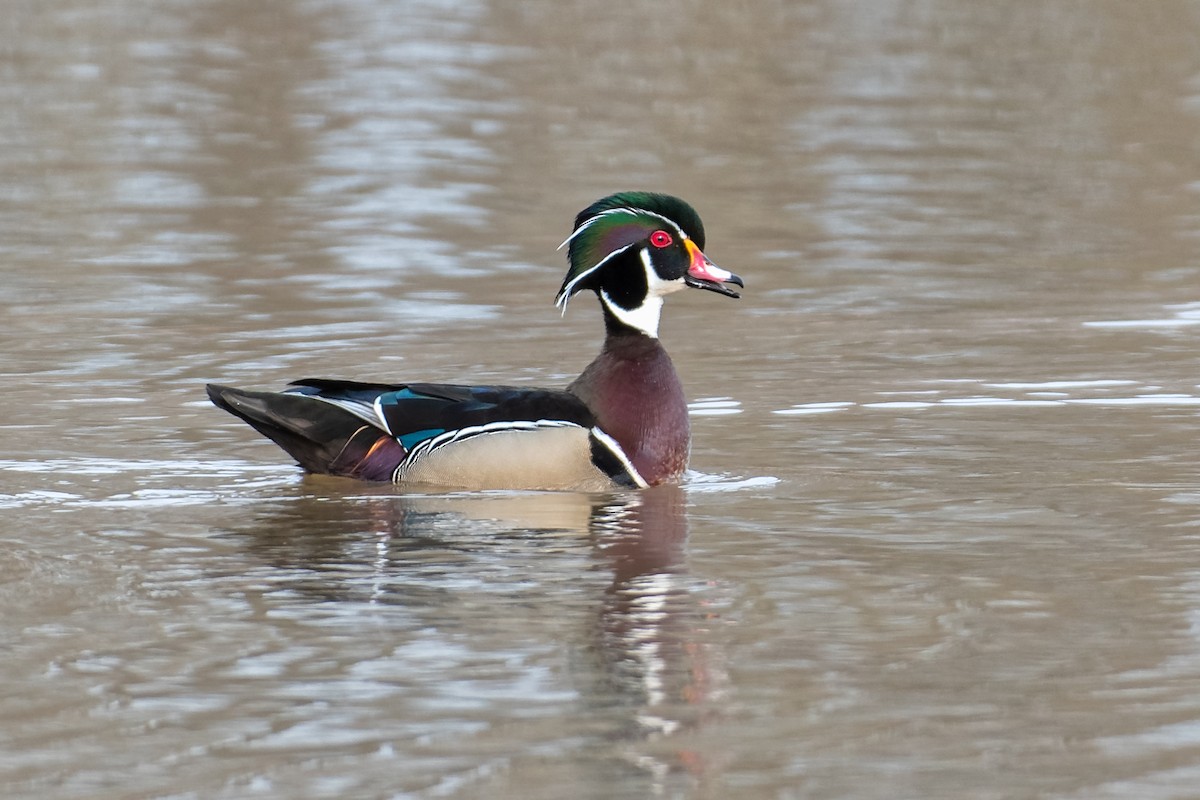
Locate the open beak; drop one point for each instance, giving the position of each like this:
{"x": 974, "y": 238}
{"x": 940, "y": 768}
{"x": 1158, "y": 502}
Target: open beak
{"x": 703, "y": 274}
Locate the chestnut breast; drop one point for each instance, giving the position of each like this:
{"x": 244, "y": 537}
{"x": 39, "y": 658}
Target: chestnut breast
{"x": 635, "y": 393}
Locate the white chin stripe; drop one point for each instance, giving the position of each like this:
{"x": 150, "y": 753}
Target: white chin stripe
{"x": 644, "y": 318}
{"x": 656, "y": 286}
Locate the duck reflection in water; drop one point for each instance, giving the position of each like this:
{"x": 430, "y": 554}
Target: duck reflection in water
{"x": 601, "y": 577}
{"x": 652, "y": 626}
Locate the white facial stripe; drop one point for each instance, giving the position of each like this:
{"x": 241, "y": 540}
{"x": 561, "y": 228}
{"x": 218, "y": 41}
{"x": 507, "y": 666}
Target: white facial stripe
{"x": 565, "y": 295}
{"x": 670, "y": 223}
{"x": 655, "y": 285}
{"x": 579, "y": 230}
{"x": 622, "y": 210}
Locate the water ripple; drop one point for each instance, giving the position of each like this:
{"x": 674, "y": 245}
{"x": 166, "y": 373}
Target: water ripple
{"x": 714, "y": 407}
{"x": 1024, "y": 394}
{"x": 1183, "y": 315}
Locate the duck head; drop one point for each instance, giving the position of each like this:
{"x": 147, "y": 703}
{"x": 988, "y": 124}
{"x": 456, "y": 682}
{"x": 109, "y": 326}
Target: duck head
{"x": 634, "y": 248}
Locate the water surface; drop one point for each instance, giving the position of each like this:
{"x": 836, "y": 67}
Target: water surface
{"x": 940, "y": 537}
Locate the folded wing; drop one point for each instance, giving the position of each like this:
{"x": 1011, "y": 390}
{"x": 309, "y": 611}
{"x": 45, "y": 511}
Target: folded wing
{"x": 499, "y": 437}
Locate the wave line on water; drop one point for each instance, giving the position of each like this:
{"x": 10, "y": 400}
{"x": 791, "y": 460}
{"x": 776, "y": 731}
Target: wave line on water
{"x": 83, "y": 465}
{"x": 1025, "y": 394}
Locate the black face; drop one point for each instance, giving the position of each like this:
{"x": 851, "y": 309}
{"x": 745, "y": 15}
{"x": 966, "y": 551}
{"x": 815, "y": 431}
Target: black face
{"x": 668, "y": 253}
{"x": 624, "y": 281}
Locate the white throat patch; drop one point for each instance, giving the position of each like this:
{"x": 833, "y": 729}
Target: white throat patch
{"x": 646, "y": 316}
{"x": 643, "y": 318}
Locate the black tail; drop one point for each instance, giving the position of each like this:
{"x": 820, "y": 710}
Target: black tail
{"x": 320, "y": 436}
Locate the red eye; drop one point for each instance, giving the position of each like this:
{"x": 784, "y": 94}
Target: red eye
{"x": 660, "y": 239}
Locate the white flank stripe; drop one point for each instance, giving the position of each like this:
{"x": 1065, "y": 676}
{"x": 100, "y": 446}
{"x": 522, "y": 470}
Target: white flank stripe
{"x": 449, "y": 437}
{"x": 616, "y": 450}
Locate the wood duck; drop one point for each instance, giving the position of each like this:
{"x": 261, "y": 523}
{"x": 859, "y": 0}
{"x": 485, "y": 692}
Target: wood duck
{"x": 622, "y": 423}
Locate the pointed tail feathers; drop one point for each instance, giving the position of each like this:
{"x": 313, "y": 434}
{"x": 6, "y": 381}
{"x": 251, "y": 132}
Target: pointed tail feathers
{"x": 320, "y": 436}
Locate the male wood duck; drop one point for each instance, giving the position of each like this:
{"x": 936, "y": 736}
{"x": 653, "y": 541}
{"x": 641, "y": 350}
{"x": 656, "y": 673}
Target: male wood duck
{"x": 622, "y": 423}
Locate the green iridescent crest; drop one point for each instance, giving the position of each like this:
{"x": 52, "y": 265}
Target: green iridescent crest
{"x": 612, "y": 225}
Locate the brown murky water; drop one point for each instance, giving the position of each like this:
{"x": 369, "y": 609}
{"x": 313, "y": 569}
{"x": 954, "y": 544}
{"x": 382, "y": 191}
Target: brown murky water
{"x": 943, "y": 535}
